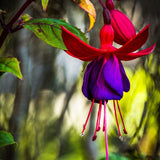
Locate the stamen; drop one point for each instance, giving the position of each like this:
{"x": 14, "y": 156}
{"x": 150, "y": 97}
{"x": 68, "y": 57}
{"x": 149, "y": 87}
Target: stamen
{"x": 116, "y": 117}
{"x": 124, "y": 129}
{"x": 98, "y": 121}
{"x": 105, "y": 127}
{"x": 99, "y": 116}
{"x": 84, "y": 126}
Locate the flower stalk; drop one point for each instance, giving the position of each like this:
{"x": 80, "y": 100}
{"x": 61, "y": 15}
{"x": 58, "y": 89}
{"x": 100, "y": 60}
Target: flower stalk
{"x": 102, "y": 4}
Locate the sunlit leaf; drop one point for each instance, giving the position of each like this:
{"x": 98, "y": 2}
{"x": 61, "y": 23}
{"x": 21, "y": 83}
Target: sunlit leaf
{"x": 2, "y": 11}
{"x": 49, "y": 30}
{"x": 89, "y": 8}
{"x": 25, "y": 17}
{"x": 10, "y": 64}
{"x": 6, "y": 139}
{"x": 45, "y": 4}
{"x": 92, "y": 21}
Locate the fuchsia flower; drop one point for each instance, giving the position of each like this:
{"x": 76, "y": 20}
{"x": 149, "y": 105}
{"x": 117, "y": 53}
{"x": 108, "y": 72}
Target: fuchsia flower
{"x": 105, "y": 78}
{"x": 122, "y": 26}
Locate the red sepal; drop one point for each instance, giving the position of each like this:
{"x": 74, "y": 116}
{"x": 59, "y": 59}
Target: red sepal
{"x": 131, "y": 56}
{"x": 136, "y": 42}
{"x": 79, "y": 49}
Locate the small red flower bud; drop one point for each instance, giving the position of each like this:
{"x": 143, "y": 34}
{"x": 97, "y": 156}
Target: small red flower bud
{"x": 122, "y": 26}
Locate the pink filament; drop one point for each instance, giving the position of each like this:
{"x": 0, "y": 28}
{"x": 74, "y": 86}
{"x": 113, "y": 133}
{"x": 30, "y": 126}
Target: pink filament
{"x": 105, "y": 128}
{"x": 99, "y": 116}
{"x": 98, "y": 121}
{"x": 124, "y": 129}
{"x": 116, "y": 117}
{"x": 84, "y": 127}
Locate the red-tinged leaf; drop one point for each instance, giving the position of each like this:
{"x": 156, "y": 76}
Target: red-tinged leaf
{"x": 89, "y": 8}
{"x": 49, "y": 30}
{"x": 45, "y": 4}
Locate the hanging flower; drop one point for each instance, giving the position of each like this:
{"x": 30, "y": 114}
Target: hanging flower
{"x": 122, "y": 26}
{"x": 105, "y": 78}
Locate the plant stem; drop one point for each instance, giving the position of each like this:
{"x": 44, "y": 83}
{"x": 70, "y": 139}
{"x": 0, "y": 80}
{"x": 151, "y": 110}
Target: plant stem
{"x": 8, "y": 27}
{"x": 102, "y": 4}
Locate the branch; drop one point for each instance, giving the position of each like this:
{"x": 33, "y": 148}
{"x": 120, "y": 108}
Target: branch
{"x": 8, "y": 27}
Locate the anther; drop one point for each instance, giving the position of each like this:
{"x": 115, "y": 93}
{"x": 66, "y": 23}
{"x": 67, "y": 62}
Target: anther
{"x": 82, "y": 134}
{"x": 121, "y": 138}
{"x": 94, "y": 137}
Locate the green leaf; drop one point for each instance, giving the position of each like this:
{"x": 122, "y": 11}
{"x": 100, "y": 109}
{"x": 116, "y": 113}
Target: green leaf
{"x": 6, "y": 139}
{"x": 49, "y": 30}
{"x": 10, "y": 64}
{"x": 45, "y": 4}
{"x": 114, "y": 156}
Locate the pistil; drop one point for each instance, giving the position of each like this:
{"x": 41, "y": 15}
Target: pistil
{"x": 105, "y": 128}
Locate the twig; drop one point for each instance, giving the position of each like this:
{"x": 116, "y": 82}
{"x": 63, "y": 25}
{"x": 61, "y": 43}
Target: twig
{"x": 8, "y": 27}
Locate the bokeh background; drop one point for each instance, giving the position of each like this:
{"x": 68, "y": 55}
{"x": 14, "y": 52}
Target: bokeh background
{"x": 46, "y": 111}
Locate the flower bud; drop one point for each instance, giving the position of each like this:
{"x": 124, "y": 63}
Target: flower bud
{"x": 122, "y": 26}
